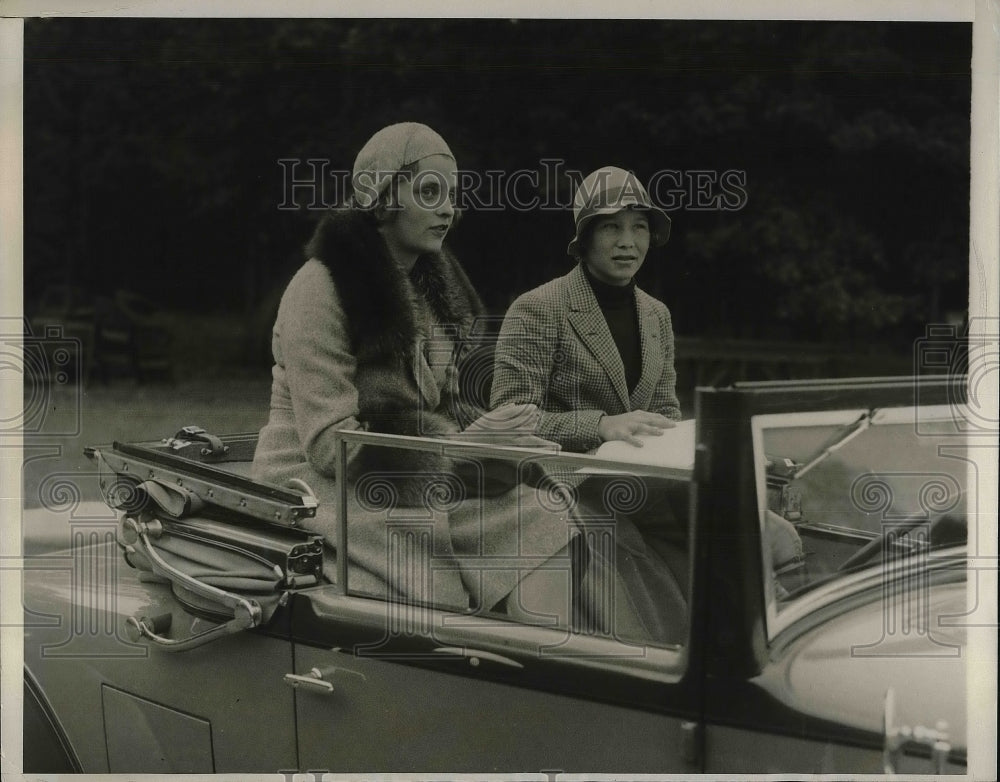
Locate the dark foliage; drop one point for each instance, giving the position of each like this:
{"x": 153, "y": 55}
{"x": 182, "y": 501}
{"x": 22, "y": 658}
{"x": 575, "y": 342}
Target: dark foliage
{"x": 152, "y": 152}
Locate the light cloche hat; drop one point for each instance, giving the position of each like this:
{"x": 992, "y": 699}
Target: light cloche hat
{"x": 609, "y": 190}
{"x": 387, "y": 152}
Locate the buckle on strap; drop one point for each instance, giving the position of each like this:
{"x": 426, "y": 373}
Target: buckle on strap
{"x": 196, "y": 434}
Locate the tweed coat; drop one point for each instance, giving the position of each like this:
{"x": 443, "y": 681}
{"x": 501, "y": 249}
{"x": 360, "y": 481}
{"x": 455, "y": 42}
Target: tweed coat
{"x": 555, "y": 350}
{"x": 351, "y": 352}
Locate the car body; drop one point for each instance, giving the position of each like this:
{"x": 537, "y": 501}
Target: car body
{"x": 810, "y": 667}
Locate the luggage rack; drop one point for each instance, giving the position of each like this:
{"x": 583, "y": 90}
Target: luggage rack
{"x": 193, "y": 474}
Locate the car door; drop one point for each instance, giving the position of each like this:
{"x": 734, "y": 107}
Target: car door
{"x": 484, "y": 697}
{"x": 384, "y": 686}
{"x": 803, "y": 667}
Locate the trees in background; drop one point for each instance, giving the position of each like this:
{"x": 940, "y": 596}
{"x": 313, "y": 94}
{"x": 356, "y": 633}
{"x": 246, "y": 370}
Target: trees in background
{"x": 152, "y": 152}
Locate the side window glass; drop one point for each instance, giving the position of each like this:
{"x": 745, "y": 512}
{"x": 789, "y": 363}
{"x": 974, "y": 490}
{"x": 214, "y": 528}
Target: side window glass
{"x": 398, "y": 522}
{"x": 551, "y": 540}
{"x": 631, "y": 564}
{"x": 842, "y": 491}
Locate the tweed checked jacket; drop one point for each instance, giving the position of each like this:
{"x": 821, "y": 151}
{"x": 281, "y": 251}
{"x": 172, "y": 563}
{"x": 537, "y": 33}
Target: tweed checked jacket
{"x": 555, "y": 350}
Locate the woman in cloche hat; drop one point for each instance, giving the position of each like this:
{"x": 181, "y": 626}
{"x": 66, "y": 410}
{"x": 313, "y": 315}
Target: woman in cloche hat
{"x": 592, "y": 350}
{"x": 352, "y": 350}
{"x": 595, "y": 354}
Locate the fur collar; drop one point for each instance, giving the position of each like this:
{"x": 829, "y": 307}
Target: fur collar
{"x": 377, "y": 295}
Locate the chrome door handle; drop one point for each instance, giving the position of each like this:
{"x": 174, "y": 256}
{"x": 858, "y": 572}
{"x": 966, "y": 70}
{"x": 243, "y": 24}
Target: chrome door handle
{"x": 312, "y": 681}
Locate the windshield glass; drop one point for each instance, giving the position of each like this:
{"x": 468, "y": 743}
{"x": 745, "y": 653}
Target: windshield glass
{"x": 853, "y": 489}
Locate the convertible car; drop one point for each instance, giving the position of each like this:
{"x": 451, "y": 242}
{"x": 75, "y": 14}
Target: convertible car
{"x": 195, "y": 624}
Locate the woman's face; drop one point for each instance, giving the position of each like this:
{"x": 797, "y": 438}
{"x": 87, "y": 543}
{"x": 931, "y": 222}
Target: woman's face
{"x": 617, "y": 247}
{"x": 423, "y": 211}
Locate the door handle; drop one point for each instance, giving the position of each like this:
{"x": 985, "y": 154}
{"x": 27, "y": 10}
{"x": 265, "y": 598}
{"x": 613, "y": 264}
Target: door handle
{"x": 312, "y": 681}
{"x": 318, "y": 679}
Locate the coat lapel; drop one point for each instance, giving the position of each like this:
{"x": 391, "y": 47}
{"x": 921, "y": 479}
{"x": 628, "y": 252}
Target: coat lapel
{"x": 652, "y": 353}
{"x": 591, "y": 327}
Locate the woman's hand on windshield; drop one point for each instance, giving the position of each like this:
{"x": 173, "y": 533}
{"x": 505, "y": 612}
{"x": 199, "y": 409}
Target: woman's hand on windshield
{"x": 629, "y": 426}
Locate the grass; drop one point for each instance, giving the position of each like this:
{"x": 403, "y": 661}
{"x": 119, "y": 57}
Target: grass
{"x": 60, "y": 421}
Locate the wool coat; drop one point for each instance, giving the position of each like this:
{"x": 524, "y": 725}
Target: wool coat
{"x": 555, "y": 350}
{"x": 358, "y": 344}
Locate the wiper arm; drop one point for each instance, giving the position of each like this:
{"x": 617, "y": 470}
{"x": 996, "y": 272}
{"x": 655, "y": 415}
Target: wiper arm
{"x": 856, "y": 428}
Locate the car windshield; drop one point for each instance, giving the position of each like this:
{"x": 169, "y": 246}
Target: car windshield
{"x": 857, "y": 488}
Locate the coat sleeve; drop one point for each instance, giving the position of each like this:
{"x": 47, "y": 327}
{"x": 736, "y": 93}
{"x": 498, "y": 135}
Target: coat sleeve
{"x": 319, "y": 364}
{"x": 664, "y": 400}
{"x": 523, "y": 368}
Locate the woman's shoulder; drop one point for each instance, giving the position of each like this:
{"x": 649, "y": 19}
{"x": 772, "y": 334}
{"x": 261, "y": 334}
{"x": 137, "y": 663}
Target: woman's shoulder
{"x": 653, "y": 304}
{"x": 648, "y": 300}
{"x": 312, "y": 278}
{"x": 309, "y": 293}
{"x": 548, "y": 294}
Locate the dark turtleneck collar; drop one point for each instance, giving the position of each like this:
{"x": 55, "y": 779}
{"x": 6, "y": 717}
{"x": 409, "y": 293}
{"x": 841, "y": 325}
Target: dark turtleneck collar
{"x": 610, "y": 295}
{"x": 617, "y": 303}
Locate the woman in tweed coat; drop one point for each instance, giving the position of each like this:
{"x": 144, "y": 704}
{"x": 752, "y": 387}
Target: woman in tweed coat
{"x": 593, "y": 351}
{"x": 595, "y": 354}
{"x": 370, "y": 334}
